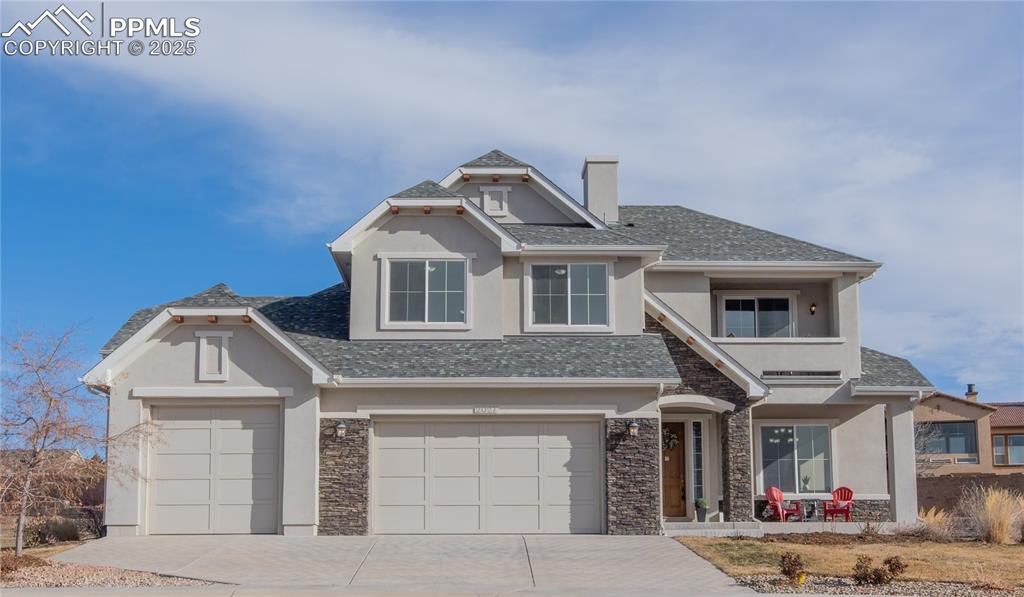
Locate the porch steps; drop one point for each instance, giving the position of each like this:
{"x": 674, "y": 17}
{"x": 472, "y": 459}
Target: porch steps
{"x": 713, "y": 529}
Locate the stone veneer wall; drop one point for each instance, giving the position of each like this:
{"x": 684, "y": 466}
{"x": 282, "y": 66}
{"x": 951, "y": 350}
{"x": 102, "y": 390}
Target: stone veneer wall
{"x": 863, "y": 510}
{"x": 344, "y": 478}
{"x": 633, "y": 485}
{"x": 701, "y": 377}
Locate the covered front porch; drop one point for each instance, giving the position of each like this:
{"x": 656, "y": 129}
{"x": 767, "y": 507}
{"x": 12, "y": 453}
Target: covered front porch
{"x": 806, "y": 450}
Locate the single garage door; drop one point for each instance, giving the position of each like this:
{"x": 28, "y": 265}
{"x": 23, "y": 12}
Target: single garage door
{"x": 487, "y": 477}
{"x": 214, "y": 470}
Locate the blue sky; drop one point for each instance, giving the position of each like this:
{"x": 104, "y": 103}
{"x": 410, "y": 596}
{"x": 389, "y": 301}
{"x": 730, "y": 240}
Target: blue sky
{"x": 892, "y": 131}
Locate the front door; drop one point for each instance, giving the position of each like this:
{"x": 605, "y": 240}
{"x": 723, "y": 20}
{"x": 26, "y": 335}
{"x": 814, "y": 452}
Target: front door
{"x": 673, "y": 474}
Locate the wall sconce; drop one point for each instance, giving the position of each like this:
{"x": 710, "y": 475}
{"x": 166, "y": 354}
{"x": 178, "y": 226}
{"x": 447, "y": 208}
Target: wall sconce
{"x": 340, "y": 429}
{"x": 634, "y": 428}
{"x": 813, "y": 308}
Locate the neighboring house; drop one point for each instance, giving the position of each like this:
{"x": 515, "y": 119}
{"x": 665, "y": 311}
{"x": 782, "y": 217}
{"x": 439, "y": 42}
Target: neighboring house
{"x": 963, "y": 442}
{"x": 500, "y": 358}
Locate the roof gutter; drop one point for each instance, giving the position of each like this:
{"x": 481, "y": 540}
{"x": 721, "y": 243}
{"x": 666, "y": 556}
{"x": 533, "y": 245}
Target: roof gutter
{"x": 498, "y": 382}
{"x": 760, "y": 267}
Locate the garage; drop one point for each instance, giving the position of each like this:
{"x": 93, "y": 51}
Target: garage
{"x": 486, "y": 476}
{"x": 214, "y": 469}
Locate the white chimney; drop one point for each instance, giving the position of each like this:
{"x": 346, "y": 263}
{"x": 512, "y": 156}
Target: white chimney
{"x": 601, "y": 186}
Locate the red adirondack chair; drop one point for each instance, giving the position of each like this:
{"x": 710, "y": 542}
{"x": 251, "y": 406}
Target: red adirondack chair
{"x": 774, "y": 495}
{"x": 841, "y": 503}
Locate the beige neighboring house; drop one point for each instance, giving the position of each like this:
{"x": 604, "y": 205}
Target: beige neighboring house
{"x": 964, "y": 442}
{"x": 499, "y": 357}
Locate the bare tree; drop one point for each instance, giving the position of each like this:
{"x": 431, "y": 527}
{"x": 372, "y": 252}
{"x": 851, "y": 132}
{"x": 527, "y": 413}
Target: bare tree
{"x": 49, "y": 420}
{"x": 924, "y": 434}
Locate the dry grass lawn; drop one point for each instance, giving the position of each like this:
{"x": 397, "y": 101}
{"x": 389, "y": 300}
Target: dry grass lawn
{"x": 970, "y": 562}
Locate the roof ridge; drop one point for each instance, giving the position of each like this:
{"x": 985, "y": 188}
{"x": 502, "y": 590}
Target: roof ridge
{"x": 495, "y": 158}
{"x": 425, "y": 189}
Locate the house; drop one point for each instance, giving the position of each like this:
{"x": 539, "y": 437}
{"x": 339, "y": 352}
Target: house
{"x": 501, "y": 358}
{"x": 963, "y": 442}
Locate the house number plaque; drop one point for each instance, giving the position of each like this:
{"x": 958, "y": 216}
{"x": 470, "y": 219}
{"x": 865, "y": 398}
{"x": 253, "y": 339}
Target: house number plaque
{"x": 485, "y": 410}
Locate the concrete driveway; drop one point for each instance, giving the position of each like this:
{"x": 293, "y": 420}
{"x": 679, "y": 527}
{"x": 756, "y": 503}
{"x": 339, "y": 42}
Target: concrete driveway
{"x": 548, "y": 564}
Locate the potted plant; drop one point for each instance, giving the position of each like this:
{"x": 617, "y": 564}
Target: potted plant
{"x": 702, "y": 509}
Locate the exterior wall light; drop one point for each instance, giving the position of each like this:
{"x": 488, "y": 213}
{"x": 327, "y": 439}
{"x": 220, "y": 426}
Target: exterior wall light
{"x": 814, "y": 307}
{"x": 340, "y": 429}
{"x": 634, "y": 428}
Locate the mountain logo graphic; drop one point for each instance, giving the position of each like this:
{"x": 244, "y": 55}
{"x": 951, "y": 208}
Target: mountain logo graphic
{"x": 63, "y": 10}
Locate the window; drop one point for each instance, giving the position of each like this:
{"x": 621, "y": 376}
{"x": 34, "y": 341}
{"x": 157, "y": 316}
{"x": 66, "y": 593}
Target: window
{"x": 950, "y": 437}
{"x": 1008, "y": 449}
{"x": 494, "y": 200}
{"x": 427, "y": 291}
{"x": 212, "y": 357}
{"x": 569, "y": 294}
{"x": 757, "y": 317}
{"x": 796, "y": 458}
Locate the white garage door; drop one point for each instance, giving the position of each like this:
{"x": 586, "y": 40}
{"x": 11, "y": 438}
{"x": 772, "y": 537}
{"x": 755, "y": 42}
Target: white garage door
{"x": 487, "y": 477}
{"x": 214, "y": 470}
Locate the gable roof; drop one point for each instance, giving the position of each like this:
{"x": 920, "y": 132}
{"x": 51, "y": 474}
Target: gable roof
{"x": 944, "y": 396}
{"x": 695, "y": 236}
{"x": 1008, "y": 414}
{"x": 427, "y": 189}
{"x": 319, "y": 325}
{"x": 495, "y": 158}
{"x": 881, "y": 370}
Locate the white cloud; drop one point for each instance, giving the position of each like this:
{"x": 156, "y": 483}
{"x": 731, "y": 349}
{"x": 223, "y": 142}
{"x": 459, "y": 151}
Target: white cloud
{"x": 887, "y": 139}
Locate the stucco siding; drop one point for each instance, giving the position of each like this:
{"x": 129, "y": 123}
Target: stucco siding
{"x": 525, "y": 204}
{"x": 425, "y": 235}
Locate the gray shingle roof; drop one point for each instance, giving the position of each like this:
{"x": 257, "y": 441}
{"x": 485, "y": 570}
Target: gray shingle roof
{"x": 427, "y": 189}
{"x": 880, "y": 369}
{"x": 319, "y": 324}
{"x": 695, "y": 236}
{"x": 495, "y": 158}
{"x": 571, "y": 235}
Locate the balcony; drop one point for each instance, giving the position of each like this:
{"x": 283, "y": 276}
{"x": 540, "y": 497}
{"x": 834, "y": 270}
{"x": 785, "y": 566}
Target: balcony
{"x": 795, "y": 360}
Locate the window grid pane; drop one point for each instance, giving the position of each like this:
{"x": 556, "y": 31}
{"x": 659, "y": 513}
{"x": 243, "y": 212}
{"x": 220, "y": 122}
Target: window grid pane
{"x": 739, "y": 318}
{"x": 589, "y": 289}
{"x": 427, "y": 291}
{"x": 1016, "y": 449}
{"x": 778, "y": 457}
{"x": 951, "y": 437}
{"x": 698, "y": 461}
{"x": 999, "y": 449}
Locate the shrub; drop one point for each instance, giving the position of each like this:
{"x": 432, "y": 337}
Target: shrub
{"x": 933, "y": 524}
{"x": 55, "y": 530}
{"x": 791, "y": 565}
{"x": 864, "y": 573}
{"x": 992, "y": 513}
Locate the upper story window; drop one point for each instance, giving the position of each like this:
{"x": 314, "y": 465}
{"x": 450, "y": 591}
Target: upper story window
{"x": 1008, "y": 449}
{"x": 494, "y": 200}
{"x": 569, "y": 294}
{"x": 956, "y": 437}
{"x": 426, "y": 291}
{"x": 757, "y": 315}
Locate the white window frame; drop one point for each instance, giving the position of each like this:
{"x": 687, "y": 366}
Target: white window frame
{"x": 833, "y": 455}
{"x": 528, "y": 324}
{"x": 385, "y": 260}
{"x": 499, "y": 194}
{"x": 790, "y": 295}
{"x": 203, "y": 345}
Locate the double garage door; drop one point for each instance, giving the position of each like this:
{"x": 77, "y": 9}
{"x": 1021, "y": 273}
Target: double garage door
{"x": 487, "y": 477}
{"x": 214, "y": 470}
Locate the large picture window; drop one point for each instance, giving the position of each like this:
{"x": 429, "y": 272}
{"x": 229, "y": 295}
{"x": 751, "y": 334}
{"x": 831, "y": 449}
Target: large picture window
{"x": 570, "y": 294}
{"x": 756, "y": 317}
{"x": 960, "y": 437}
{"x": 1008, "y": 449}
{"x": 427, "y": 291}
{"x": 796, "y": 458}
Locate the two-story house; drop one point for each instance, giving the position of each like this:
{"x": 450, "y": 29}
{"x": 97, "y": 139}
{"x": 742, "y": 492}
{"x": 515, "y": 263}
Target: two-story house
{"x": 500, "y": 358}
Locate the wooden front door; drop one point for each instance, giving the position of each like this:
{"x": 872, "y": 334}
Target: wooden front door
{"x": 673, "y": 475}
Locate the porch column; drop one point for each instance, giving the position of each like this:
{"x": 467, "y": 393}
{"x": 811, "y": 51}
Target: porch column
{"x": 737, "y": 470}
{"x": 899, "y": 431}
